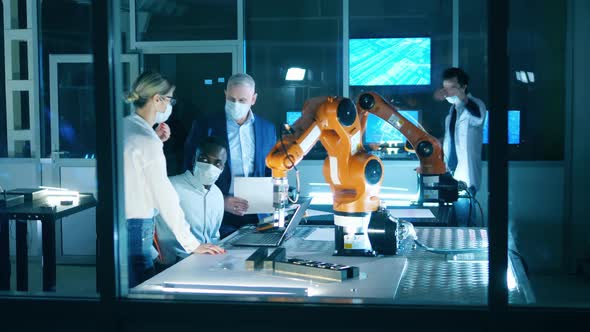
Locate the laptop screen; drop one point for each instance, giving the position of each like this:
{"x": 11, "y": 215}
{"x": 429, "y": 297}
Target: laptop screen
{"x": 295, "y": 218}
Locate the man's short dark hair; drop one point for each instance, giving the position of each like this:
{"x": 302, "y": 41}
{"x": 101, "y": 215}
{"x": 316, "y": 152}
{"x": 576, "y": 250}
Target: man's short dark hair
{"x": 462, "y": 77}
{"x": 210, "y": 142}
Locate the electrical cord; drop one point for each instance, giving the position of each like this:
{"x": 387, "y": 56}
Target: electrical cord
{"x": 472, "y": 201}
{"x": 524, "y": 263}
{"x": 451, "y": 251}
{"x": 480, "y": 211}
{"x": 288, "y": 131}
{"x": 408, "y": 231}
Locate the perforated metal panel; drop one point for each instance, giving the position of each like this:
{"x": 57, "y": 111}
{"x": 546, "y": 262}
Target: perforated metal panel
{"x": 439, "y": 279}
{"x": 431, "y": 278}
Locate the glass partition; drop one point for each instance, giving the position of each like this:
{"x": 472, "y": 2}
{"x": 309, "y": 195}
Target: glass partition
{"x": 305, "y": 50}
{"x": 157, "y": 21}
{"x": 50, "y": 235}
{"x": 421, "y": 238}
{"x": 546, "y": 230}
{"x": 282, "y": 39}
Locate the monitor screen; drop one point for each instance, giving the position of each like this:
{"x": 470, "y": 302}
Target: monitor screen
{"x": 513, "y": 128}
{"x": 389, "y": 61}
{"x": 380, "y": 131}
{"x": 292, "y": 116}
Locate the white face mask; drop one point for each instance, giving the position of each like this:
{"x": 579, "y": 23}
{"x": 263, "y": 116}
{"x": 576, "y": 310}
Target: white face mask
{"x": 206, "y": 173}
{"x": 236, "y": 111}
{"x": 453, "y": 99}
{"x": 163, "y": 116}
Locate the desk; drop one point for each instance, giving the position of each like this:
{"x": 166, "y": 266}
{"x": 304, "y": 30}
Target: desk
{"x": 440, "y": 214}
{"x": 415, "y": 276}
{"x": 36, "y": 210}
{"x": 226, "y": 275}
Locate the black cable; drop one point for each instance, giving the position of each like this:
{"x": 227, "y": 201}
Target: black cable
{"x": 470, "y": 197}
{"x": 481, "y": 212}
{"x": 438, "y": 213}
{"x": 451, "y": 251}
{"x": 470, "y": 202}
{"x": 411, "y": 232}
{"x": 524, "y": 263}
{"x": 290, "y": 158}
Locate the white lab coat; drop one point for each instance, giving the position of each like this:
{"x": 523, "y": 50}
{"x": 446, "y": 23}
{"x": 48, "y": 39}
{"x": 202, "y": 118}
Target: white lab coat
{"x": 203, "y": 209}
{"x": 468, "y": 143}
{"x": 148, "y": 190}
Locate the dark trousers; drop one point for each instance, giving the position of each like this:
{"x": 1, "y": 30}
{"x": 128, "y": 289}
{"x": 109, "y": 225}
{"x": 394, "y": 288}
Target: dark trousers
{"x": 140, "y": 237}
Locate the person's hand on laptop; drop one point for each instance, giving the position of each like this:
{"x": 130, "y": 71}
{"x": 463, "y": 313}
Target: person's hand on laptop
{"x": 209, "y": 248}
{"x": 235, "y": 205}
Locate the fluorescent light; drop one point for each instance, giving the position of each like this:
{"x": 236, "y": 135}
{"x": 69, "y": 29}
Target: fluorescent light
{"x": 510, "y": 278}
{"x": 219, "y": 291}
{"x": 295, "y": 74}
{"x": 523, "y": 77}
{"x": 188, "y": 288}
{"x": 394, "y": 188}
{"x": 531, "y": 76}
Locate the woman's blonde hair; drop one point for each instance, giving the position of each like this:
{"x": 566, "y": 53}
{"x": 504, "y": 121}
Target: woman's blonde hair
{"x": 148, "y": 84}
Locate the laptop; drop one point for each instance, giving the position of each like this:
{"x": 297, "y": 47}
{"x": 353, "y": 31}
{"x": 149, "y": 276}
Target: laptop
{"x": 276, "y": 237}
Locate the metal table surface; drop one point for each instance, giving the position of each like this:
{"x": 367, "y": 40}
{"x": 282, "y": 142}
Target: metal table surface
{"x": 431, "y": 278}
{"x": 427, "y": 278}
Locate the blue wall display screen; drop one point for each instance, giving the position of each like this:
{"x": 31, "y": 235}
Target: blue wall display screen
{"x": 513, "y": 128}
{"x": 380, "y": 131}
{"x": 292, "y": 116}
{"x": 389, "y": 61}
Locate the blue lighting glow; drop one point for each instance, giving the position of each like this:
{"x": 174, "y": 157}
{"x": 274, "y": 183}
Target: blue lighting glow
{"x": 389, "y": 61}
{"x": 513, "y": 128}
{"x": 380, "y": 131}
{"x": 292, "y": 117}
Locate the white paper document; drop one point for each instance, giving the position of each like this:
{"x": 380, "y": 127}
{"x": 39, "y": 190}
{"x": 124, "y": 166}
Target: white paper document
{"x": 411, "y": 213}
{"x": 321, "y": 234}
{"x": 257, "y": 191}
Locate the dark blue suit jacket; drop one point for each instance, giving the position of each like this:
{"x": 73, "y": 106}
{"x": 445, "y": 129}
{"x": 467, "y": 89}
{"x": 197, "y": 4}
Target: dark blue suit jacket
{"x": 265, "y": 137}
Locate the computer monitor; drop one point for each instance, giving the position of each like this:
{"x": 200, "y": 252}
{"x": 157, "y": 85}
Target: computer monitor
{"x": 292, "y": 116}
{"x": 389, "y": 61}
{"x": 513, "y": 128}
{"x": 380, "y": 131}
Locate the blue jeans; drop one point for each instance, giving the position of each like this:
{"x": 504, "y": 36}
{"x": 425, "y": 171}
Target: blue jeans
{"x": 466, "y": 210}
{"x": 140, "y": 237}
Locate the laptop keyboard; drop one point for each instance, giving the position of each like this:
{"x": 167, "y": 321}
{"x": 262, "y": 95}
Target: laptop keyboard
{"x": 259, "y": 239}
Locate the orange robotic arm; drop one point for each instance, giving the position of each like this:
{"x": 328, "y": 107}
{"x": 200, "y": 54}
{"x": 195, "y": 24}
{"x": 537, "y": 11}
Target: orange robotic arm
{"x": 427, "y": 148}
{"x": 354, "y": 175}
{"x": 436, "y": 184}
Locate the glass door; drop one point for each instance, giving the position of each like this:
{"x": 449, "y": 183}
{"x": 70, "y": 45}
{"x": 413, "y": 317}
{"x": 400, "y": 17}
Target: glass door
{"x": 200, "y": 79}
{"x": 73, "y": 147}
